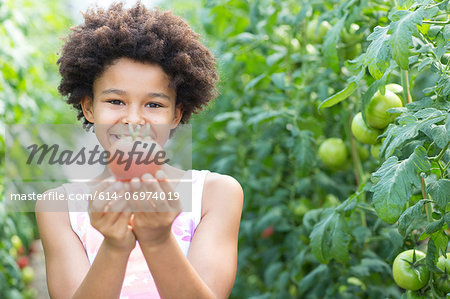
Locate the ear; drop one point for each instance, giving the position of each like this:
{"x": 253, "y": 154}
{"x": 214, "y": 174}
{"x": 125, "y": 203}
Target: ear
{"x": 178, "y": 115}
{"x": 88, "y": 108}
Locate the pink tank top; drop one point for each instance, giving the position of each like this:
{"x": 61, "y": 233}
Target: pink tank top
{"x": 138, "y": 282}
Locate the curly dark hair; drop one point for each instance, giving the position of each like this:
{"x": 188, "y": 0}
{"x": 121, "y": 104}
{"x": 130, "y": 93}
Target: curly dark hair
{"x": 144, "y": 35}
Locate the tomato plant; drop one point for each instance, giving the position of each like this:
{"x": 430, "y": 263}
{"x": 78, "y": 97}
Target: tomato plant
{"x": 409, "y": 270}
{"x": 29, "y": 37}
{"x": 283, "y": 94}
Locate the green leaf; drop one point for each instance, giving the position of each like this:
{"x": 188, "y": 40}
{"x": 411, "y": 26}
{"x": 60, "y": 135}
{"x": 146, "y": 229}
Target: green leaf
{"x": 443, "y": 85}
{"x": 279, "y": 80}
{"x": 272, "y": 272}
{"x": 439, "y": 135}
{"x": 394, "y": 183}
{"x": 312, "y": 277}
{"x": 440, "y": 239}
{"x": 340, "y": 241}
{"x": 439, "y": 191}
{"x": 330, "y": 45}
{"x": 329, "y": 238}
{"x": 320, "y": 238}
{"x": 408, "y": 220}
{"x": 254, "y": 81}
{"x": 304, "y": 151}
{"x": 274, "y": 58}
{"x": 339, "y": 97}
{"x": 378, "y": 53}
{"x": 408, "y": 128}
{"x": 434, "y": 226}
{"x": 426, "y": 62}
{"x": 370, "y": 265}
{"x": 402, "y": 32}
{"x": 432, "y": 255}
{"x": 263, "y": 116}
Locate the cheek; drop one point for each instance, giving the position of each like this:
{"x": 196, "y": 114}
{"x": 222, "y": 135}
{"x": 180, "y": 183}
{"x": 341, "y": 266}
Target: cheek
{"x": 101, "y": 131}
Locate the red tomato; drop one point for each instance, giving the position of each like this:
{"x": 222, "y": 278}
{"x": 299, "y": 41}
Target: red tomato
{"x": 23, "y": 261}
{"x": 146, "y": 157}
{"x": 267, "y": 232}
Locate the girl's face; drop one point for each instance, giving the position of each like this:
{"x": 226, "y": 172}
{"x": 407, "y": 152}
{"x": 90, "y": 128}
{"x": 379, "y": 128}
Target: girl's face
{"x": 130, "y": 92}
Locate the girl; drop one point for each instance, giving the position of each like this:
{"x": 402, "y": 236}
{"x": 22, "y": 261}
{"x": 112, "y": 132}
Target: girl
{"x": 130, "y": 67}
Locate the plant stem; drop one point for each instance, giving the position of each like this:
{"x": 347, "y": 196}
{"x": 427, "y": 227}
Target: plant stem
{"x": 428, "y": 207}
{"x": 441, "y": 154}
{"x": 436, "y": 22}
{"x": 356, "y": 162}
{"x": 437, "y": 4}
{"x": 405, "y": 83}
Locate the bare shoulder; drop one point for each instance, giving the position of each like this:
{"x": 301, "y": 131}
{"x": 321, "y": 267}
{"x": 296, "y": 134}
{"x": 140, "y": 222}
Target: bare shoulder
{"x": 221, "y": 191}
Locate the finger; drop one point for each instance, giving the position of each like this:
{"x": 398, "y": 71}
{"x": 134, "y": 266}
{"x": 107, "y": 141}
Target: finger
{"x": 169, "y": 191}
{"x": 117, "y": 207}
{"x": 124, "y": 219}
{"x": 150, "y": 184}
{"x": 99, "y": 204}
{"x": 135, "y": 186}
{"x": 103, "y": 184}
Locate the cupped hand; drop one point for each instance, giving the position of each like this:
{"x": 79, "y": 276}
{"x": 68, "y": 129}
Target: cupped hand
{"x": 153, "y": 217}
{"x": 112, "y": 217}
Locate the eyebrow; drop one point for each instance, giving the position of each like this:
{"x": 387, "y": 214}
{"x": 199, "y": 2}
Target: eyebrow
{"x": 122, "y": 92}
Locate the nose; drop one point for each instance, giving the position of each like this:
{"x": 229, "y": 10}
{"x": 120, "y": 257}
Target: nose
{"x": 133, "y": 116}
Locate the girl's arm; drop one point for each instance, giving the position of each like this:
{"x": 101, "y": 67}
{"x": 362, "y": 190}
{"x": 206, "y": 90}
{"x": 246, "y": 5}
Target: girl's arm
{"x": 68, "y": 271}
{"x": 210, "y": 269}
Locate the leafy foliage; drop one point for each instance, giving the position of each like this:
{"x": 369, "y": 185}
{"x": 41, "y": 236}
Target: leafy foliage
{"x": 282, "y": 95}
{"x": 29, "y": 33}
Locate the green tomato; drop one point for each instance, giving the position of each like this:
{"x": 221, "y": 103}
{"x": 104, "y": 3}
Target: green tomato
{"x": 376, "y": 114}
{"x": 395, "y": 88}
{"x": 13, "y": 252}
{"x": 316, "y": 32}
{"x": 16, "y": 242}
{"x": 442, "y": 281}
{"x": 353, "y": 51}
{"x": 350, "y": 35}
{"x": 333, "y": 153}
{"x": 362, "y": 132}
{"x": 27, "y": 274}
{"x": 349, "y": 52}
{"x": 311, "y": 50}
{"x": 408, "y": 273}
{"x": 375, "y": 150}
{"x": 302, "y": 206}
{"x": 363, "y": 153}
{"x": 357, "y": 282}
{"x": 331, "y": 201}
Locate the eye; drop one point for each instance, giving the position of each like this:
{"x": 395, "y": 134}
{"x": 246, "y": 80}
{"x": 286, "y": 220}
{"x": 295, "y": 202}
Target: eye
{"x": 115, "y": 102}
{"x": 153, "y": 105}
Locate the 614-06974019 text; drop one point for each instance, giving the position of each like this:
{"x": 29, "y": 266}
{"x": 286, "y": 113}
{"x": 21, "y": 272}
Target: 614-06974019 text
{"x": 108, "y": 196}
